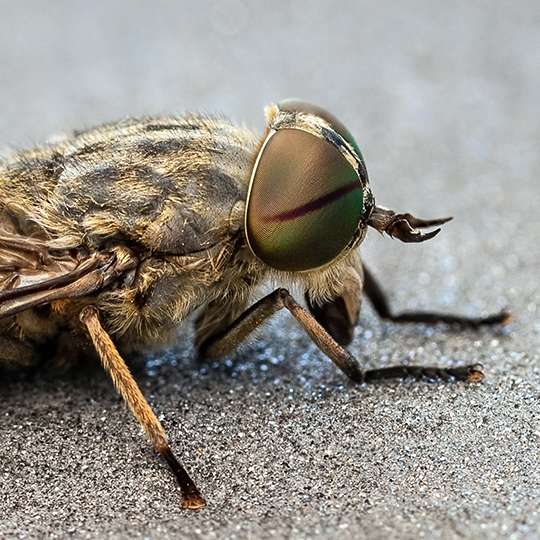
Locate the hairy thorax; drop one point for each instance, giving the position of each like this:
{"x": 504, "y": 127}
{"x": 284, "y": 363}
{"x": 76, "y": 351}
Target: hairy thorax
{"x": 162, "y": 198}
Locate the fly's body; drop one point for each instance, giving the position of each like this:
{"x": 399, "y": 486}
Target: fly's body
{"x": 114, "y": 236}
{"x": 168, "y": 193}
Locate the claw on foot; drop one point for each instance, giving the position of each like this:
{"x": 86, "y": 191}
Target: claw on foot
{"x": 471, "y": 373}
{"x": 192, "y": 501}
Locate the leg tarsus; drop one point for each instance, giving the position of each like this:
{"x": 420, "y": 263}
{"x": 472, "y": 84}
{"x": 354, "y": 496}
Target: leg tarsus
{"x": 378, "y": 300}
{"x": 470, "y": 373}
{"x": 465, "y": 322}
{"x": 192, "y": 498}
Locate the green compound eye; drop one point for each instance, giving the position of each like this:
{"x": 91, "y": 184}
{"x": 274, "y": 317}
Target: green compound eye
{"x": 305, "y": 202}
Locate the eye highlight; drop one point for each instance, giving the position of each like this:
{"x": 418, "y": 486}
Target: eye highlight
{"x": 305, "y": 203}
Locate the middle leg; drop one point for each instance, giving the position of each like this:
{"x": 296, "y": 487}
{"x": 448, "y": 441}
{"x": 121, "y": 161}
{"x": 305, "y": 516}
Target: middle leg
{"x": 225, "y": 341}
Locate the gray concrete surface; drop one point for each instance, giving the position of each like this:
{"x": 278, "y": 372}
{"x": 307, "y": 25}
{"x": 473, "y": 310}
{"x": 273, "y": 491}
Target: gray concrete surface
{"x": 443, "y": 98}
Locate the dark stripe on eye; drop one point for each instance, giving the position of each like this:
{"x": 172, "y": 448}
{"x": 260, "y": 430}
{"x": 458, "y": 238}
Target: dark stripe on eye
{"x": 313, "y": 206}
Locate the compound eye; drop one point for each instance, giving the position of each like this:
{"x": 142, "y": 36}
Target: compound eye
{"x": 297, "y": 105}
{"x": 305, "y": 202}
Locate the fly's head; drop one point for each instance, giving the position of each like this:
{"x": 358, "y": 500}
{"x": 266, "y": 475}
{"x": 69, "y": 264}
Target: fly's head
{"x": 309, "y": 198}
{"x": 309, "y": 201}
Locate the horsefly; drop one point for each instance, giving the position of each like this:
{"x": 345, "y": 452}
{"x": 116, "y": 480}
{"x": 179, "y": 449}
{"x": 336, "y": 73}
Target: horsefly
{"x": 116, "y": 235}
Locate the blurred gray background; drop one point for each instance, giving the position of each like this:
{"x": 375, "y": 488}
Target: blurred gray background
{"x": 443, "y": 99}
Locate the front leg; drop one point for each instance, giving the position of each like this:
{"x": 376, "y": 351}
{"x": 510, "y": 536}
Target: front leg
{"x": 339, "y": 316}
{"x": 227, "y": 340}
{"x": 378, "y": 300}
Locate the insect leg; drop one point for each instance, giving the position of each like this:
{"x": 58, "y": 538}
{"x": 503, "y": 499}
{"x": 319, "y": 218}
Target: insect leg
{"x": 126, "y": 385}
{"x": 227, "y": 340}
{"x": 374, "y": 292}
{"x": 339, "y": 315}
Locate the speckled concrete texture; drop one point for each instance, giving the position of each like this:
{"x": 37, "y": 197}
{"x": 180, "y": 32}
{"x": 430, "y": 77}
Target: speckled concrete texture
{"x": 443, "y": 99}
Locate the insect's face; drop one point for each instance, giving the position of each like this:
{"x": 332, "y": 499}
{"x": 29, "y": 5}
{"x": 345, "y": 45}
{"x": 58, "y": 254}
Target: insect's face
{"x": 309, "y": 196}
